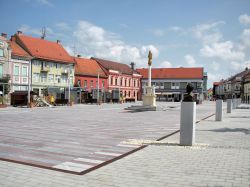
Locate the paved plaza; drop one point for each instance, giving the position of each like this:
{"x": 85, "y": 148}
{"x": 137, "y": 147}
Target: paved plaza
{"x": 80, "y": 138}
{"x": 220, "y": 157}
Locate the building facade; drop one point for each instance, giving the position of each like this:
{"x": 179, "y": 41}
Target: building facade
{"x": 231, "y": 87}
{"x": 246, "y": 88}
{"x": 86, "y": 75}
{"x": 5, "y": 56}
{"x": 170, "y": 83}
{"x": 121, "y": 77}
{"x": 20, "y": 66}
{"x": 52, "y": 66}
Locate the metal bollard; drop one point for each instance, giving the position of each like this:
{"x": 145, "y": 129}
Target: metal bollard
{"x": 219, "y": 113}
{"x": 229, "y": 105}
{"x": 187, "y": 123}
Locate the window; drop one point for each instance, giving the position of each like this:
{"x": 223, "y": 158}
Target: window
{"x": 1, "y": 52}
{"x": 64, "y": 78}
{"x": 121, "y": 81}
{"x": 79, "y": 83}
{"x": 175, "y": 85}
{"x": 36, "y": 77}
{"x": 111, "y": 80}
{"x": 25, "y": 71}
{"x": 71, "y": 80}
{"x": 85, "y": 83}
{"x": 96, "y": 83}
{"x": 16, "y": 70}
{"x": 58, "y": 78}
{"x": 115, "y": 81}
{"x": 91, "y": 83}
{"x": 103, "y": 84}
{"x": 36, "y": 63}
{"x": 43, "y": 77}
{"x": 51, "y": 78}
{"x": 1, "y": 70}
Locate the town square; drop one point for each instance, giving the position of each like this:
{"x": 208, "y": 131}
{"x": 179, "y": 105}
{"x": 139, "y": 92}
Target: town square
{"x": 125, "y": 93}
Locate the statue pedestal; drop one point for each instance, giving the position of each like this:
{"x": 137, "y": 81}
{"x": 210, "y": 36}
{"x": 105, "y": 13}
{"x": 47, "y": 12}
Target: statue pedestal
{"x": 149, "y": 103}
{"x": 149, "y": 97}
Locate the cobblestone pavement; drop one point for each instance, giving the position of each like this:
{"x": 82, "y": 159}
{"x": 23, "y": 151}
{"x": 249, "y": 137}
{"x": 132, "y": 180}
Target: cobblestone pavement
{"x": 221, "y": 157}
{"x": 76, "y": 139}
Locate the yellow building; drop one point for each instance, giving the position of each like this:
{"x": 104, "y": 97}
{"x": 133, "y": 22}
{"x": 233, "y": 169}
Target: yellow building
{"x": 52, "y": 66}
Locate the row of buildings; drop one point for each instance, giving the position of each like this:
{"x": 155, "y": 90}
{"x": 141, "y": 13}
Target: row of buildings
{"x": 47, "y": 67}
{"x": 236, "y": 86}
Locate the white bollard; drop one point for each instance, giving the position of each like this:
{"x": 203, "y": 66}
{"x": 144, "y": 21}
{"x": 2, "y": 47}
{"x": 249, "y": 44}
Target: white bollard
{"x": 229, "y": 105}
{"x": 187, "y": 127}
{"x": 234, "y": 103}
{"x": 219, "y": 113}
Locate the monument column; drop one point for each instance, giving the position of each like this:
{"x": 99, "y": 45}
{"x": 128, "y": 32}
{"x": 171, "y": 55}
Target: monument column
{"x": 149, "y": 97}
{"x": 149, "y": 75}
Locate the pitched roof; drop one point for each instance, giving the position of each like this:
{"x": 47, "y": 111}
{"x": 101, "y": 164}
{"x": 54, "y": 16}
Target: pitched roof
{"x": 110, "y": 65}
{"x": 88, "y": 67}
{"x": 241, "y": 74}
{"x": 217, "y": 83}
{"x": 44, "y": 49}
{"x": 17, "y": 50}
{"x": 173, "y": 73}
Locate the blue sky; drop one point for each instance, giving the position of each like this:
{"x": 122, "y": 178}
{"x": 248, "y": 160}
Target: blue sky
{"x": 212, "y": 34}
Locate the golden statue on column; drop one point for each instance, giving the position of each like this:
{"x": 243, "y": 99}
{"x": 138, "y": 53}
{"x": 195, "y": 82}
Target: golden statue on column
{"x": 150, "y": 56}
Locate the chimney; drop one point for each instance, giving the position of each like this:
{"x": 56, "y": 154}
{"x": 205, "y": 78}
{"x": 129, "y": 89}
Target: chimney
{"x": 78, "y": 56}
{"x": 132, "y": 64}
{"x": 13, "y": 38}
{"x": 4, "y": 35}
{"x": 58, "y": 41}
{"x": 19, "y": 32}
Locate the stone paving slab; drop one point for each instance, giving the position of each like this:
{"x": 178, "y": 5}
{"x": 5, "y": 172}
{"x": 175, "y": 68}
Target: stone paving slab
{"x": 55, "y": 137}
{"x": 221, "y": 157}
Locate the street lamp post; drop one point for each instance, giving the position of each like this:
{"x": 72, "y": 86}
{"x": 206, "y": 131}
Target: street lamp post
{"x": 68, "y": 69}
{"x": 98, "y": 77}
{"x": 29, "y": 84}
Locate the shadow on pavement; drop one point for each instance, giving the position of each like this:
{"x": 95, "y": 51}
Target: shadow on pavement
{"x": 243, "y": 130}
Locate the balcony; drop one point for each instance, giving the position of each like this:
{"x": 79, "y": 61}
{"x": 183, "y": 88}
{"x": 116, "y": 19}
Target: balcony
{"x": 45, "y": 68}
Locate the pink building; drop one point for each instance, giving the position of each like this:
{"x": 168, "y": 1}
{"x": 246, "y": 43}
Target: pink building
{"x": 121, "y": 77}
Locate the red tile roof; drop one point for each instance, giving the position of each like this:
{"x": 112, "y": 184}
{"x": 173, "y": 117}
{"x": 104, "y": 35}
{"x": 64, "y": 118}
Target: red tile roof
{"x": 88, "y": 67}
{"x": 173, "y": 73}
{"x": 217, "y": 83}
{"x": 44, "y": 49}
{"x": 17, "y": 50}
{"x": 110, "y": 65}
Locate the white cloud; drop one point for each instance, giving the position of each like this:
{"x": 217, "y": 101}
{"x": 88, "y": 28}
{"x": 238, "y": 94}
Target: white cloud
{"x": 245, "y": 37}
{"x": 159, "y": 32}
{"x": 244, "y": 19}
{"x": 208, "y": 33}
{"x": 165, "y": 64}
{"x": 239, "y": 66}
{"x": 28, "y": 30}
{"x": 190, "y": 60}
{"x": 45, "y": 2}
{"x": 123, "y": 25}
{"x": 223, "y": 51}
{"x": 63, "y": 26}
{"x": 215, "y": 66}
{"x": 100, "y": 43}
{"x": 175, "y": 28}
